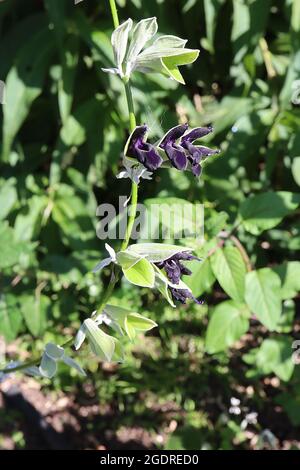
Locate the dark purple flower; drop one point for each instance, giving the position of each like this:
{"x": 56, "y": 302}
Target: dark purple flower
{"x": 174, "y": 269}
{"x": 181, "y": 295}
{"x": 175, "y": 152}
{"x": 144, "y": 152}
{"x": 180, "y": 150}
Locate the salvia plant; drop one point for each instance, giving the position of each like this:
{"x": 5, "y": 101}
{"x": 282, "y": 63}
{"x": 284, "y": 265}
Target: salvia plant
{"x": 137, "y": 48}
{"x": 260, "y": 293}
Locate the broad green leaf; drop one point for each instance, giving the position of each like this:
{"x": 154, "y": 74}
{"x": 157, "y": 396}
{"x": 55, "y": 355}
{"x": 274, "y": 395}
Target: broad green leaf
{"x": 24, "y": 84}
{"x": 12, "y": 250}
{"x": 296, "y": 170}
{"x": 249, "y": 23}
{"x": 266, "y": 210}
{"x": 289, "y": 273}
{"x": 229, "y": 268}
{"x": 287, "y": 317}
{"x": 68, "y": 50}
{"x": 116, "y": 312}
{"x": 10, "y": 317}
{"x": 127, "y": 259}
{"x": 263, "y": 296}
{"x": 29, "y": 219}
{"x": 73, "y": 132}
{"x": 69, "y": 59}
{"x": 156, "y": 252}
{"x": 275, "y": 355}
{"x": 141, "y": 274}
{"x": 171, "y": 63}
{"x": 211, "y": 13}
{"x": 229, "y": 321}
{"x": 34, "y": 310}
{"x": 135, "y": 322}
{"x": 101, "y": 344}
{"x": 8, "y": 196}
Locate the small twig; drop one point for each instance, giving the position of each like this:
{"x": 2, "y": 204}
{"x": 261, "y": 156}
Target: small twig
{"x": 224, "y": 235}
{"x": 267, "y": 56}
{"x": 243, "y": 252}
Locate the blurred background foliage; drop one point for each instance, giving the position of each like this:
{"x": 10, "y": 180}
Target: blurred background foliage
{"x": 64, "y": 123}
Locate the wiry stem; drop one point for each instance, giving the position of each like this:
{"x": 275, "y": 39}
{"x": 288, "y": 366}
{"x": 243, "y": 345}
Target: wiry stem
{"x": 114, "y": 13}
{"x": 134, "y": 187}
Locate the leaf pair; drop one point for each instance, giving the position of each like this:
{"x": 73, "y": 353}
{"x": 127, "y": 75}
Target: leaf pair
{"x": 164, "y": 55}
{"x": 53, "y": 354}
{"x": 105, "y": 346}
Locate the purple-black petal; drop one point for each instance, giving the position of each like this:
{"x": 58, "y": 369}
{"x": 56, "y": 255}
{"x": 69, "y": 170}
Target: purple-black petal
{"x": 148, "y": 156}
{"x": 174, "y": 134}
{"x": 196, "y": 134}
{"x": 137, "y": 139}
{"x": 181, "y": 295}
{"x": 177, "y": 156}
{"x": 186, "y": 256}
{"x": 173, "y": 271}
{"x": 144, "y": 152}
{"x": 196, "y": 169}
{"x": 194, "y": 155}
{"x": 206, "y": 151}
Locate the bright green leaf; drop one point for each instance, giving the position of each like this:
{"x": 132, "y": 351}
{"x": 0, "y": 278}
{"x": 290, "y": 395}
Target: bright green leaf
{"x": 227, "y": 324}
{"x": 230, "y": 270}
{"x": 141, "y": 274}
{"x": 263, "y": 296}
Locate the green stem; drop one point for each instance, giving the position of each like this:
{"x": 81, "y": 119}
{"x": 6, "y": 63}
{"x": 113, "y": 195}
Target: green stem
{"x": 132, "y": 215}
{"x": 114, "y": 13}
{"x": 134, "y": 187}
{"x": 132, "y": 120}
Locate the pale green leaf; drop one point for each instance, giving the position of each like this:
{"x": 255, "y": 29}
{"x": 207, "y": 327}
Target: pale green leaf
{"x": 141, "y": 274}
{"x": 263, "y": 296}
{"x": 102, "y": 345}
{"x": 266, "y": 210}
{"x": 229, "y": 321}
{"x": 156, "y": 252}
{"x": 289, "y": 273}
{"x": 54, "y": 351}
{"x": 230, "y": 270}
{"x": 8, "y": 196}
{"x": 296, "y": 170}
{"x": 119, "y": 40}
{"x": 48, "y": 366}
{"x": 141, "y": 34}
